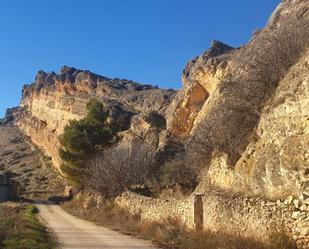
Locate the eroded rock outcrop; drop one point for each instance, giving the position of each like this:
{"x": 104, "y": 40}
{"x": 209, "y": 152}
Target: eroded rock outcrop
{"x": 222, "y": 119}
{"x": 54, "y": 99}
{"x": 276, "y": 162}
{"x": 241, "y": 117}
{"x": 200, "y": 77}
{"x": 246, "y": 133}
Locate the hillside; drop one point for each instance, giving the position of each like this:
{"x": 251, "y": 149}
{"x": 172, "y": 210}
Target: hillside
{"x": 27, "y": 164}
{"x": 237, "y": 133}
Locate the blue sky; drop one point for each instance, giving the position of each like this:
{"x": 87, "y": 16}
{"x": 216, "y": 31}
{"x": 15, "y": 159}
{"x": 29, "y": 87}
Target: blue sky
{"x": 148, "y": 41}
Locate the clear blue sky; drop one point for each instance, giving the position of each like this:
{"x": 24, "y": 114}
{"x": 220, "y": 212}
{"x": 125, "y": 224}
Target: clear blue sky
{"x": 148, "y": 41}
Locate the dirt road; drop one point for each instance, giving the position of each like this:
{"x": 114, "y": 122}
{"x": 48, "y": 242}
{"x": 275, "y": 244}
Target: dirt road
{"x": 74, "y": 233}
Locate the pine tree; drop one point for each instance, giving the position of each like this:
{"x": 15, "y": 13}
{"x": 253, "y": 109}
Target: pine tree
{"x": 83, "y": 138}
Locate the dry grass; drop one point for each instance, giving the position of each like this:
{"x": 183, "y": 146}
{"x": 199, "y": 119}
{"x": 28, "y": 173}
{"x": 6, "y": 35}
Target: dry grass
{"x": 20, "y": 229}
{"x": 169, "y": 234}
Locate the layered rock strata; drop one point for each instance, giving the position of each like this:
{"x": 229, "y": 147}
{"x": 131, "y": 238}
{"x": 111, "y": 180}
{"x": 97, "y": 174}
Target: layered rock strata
{"x": 54, "y": 99}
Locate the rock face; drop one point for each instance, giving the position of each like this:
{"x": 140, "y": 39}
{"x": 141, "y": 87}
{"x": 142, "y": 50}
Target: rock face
{"x": 250, "y": 135}
{"x": 54, "y": 99}
{"x": 241, "y": 118}
{"x": 241, "y": 115}
{"x": 200, "y": 77}
{"x": 276, "y": 162}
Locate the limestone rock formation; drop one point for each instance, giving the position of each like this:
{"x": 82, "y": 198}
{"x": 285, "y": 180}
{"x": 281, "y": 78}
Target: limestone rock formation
{"x": 53, "y": 99}
{"x": 246, "y": 133}
{"x": 241, "y": 115}
{"x": 276, "y": 162}
{"x": 241, "y": 119}
{"x": 235, "y": 117}
{"x": 199, "y": 78}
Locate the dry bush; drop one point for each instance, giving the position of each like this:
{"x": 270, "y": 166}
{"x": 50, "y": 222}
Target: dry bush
{"x": 114, "y": 170}
{"x": 108, "y": 214}
{"x": 266, "y": 60}
{"x": 177, "y": 172}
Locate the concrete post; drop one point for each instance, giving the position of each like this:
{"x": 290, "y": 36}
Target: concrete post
{"x": 198, "y": 212}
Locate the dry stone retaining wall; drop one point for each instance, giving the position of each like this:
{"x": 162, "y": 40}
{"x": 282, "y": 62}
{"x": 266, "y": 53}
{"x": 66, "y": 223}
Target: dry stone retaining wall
{"x": 157, "y": 209}
{"x": 248, "y": 217}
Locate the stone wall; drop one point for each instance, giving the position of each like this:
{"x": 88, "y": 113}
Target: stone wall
{"x": 158, "y": 209}
{"x": 247, "y": 217}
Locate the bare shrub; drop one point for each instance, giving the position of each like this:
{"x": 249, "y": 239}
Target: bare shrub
{"x": 177, "y": 172}
{"x": 267, "y": 58}
{"x": 114, "y": 170}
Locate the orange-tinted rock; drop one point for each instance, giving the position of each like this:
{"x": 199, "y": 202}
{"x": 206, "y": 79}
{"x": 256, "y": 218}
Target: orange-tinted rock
{"x": 187, "y": 110}
{"x": 200, "y": 77}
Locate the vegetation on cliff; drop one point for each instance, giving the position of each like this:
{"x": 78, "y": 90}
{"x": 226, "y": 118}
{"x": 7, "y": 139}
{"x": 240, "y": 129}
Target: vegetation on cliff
{"x": 241, "y": 117}
{"x": 93, "y": 159}
{"x": 83, "y": 138}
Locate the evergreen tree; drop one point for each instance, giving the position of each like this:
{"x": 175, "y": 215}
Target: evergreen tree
{"x": 83, "y": 138}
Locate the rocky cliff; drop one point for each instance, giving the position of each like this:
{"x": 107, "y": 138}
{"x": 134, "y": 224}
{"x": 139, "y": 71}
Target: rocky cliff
{"x": 53, "y": 99}
{"x": 241, "y": 116}
{"x": 275, "y": 163}
{"x": 250, "y": 133}
{"x": 241, "y": 120}
{"x": 244, "y": 111}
